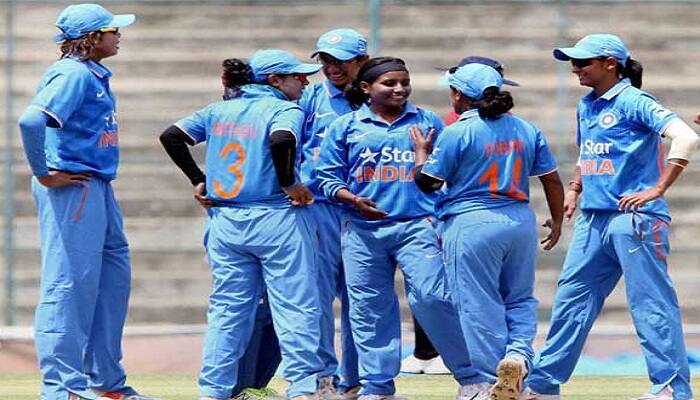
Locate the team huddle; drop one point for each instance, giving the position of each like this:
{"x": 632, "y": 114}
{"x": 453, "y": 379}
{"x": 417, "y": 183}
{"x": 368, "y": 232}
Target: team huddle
{"x": 321, "y": 192}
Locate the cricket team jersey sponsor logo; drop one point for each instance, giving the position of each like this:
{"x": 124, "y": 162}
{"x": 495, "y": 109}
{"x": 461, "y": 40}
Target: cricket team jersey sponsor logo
{"x": 380, "y": 165}
{"x": 595, "y": 158}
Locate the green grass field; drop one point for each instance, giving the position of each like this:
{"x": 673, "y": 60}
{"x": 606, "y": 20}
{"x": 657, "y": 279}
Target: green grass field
{"x": 183, "y": 387}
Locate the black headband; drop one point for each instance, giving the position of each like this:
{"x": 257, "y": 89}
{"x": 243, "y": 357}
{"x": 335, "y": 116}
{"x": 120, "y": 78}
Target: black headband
{"x": 372, "y": 73}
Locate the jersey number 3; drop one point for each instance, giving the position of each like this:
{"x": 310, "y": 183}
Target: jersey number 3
{"x": 233, "y": 168}
{"x": 491, "y": 176}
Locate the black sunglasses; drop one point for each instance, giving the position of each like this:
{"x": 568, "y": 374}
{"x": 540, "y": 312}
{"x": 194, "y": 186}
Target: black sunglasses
{"x": 497, "y": 67}
{"x": 330, "y": 60}
{"x": 583, "y": 63}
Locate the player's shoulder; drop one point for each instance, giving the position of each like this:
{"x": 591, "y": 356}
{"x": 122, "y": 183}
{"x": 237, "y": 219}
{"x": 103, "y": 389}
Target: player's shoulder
{"x": 68, "y": 67}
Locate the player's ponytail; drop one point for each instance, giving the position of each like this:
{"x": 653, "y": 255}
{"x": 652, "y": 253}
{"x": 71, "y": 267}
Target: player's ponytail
{"x": 82, "y": 47}
{"x": 494, "y": 103}
{"x": 369, "y": 72}
{"x": 633, "y": 70}
{"x": 236, "y": 73}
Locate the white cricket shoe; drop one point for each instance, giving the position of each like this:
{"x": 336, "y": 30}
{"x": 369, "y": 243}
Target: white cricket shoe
{"x": 308, "y": 396}
{"x": 122, "y": 396}
{"x": 413, "y": 365}
{"x": 476, "y": 391}
{"x": 436, "y": 366}
{"x": 510, "y": 373}
{"x": 665, "y": 394}
{"x": 530, "y": 395}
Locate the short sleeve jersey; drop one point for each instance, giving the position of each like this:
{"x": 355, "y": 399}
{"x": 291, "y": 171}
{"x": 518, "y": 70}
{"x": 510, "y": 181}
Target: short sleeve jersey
{"x": 322, "y": 103}
{"x": 82, "y": 135}
{"x": 375, "y": 159}
{"x": 486, "y": 163}
{"x": 239, "y": 166}
{"x": 620, "y": 147}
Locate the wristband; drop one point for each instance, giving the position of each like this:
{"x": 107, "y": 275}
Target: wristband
{"x": 575, "y": 186}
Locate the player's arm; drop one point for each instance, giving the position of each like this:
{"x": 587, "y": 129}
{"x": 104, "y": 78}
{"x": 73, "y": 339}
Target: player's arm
{"x": 285, "y": 125}
{"x": 574, "y": 189}
{"x": 684, "y": 143}
{"x": 554, "y": 193}
{"x": 176, "y": 143}
{"x": 32, "y": 125}
{"x": 423, "y": 146}
{"x": 283, "y": 148}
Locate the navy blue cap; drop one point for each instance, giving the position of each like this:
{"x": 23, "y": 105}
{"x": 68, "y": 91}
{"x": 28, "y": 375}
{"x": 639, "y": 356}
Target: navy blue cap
{"x": 498, "y": 66}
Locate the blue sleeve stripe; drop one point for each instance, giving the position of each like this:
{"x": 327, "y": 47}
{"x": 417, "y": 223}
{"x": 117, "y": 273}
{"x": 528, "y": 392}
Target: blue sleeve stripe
{"x": 661, "y": 132}
{"x": 50, "y": 114}
{"x": 545, "y": 173}
{"x": 433, "y": 176}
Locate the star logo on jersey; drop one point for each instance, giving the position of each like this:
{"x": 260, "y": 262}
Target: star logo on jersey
{"x": 369, "y": 155}
{"x": 607, "y": 120}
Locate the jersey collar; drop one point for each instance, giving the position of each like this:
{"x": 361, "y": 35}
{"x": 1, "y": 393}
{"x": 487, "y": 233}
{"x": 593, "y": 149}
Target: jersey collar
{"x": 258, "y": 90}
{"x": 469, "y": 114}
{"x": 331, "y": 89}
{"x": 365, "y": 113}
{"x": 611, "y": 93}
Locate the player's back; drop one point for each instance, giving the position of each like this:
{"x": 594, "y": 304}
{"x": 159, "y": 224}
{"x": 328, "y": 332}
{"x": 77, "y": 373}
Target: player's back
{"x": 495, "y": 159}
{"x": 240, "y": 171}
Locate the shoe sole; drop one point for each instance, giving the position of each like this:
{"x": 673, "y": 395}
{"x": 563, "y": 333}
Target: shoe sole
{"x": 509, "y": 375}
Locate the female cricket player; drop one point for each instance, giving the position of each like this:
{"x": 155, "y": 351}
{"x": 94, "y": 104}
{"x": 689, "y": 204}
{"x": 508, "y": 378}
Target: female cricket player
{"x": 490, "y": 241}
{"x": 71, "y": 139}
{"x": 341, "y": 53}
{"x": 254, "y": 233}
{"x": 366, "y": 162}
{"x": 620, "y": 178}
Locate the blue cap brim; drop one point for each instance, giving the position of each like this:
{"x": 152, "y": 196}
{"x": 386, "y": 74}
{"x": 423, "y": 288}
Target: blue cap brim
{"x": 307, "y": 69}
{"x": 121, "y": 21}
{"x": 444, "y": 80}
{"x": 567, "y": 53}
{"x": 338, "y": 54}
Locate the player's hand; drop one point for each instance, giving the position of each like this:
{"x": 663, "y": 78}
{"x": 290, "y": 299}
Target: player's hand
{"x": 421, "y": 142}
{"x": 60, "y": 178}
{"x": 200, "y": 194}
{"x": 632, "y": 202}
{"x": 300, "y": 195}
{"x": 697, "y": 118}
{"x": 367, "y": 208}
{"x": 552, "y": 238}
{"x": 570, "y": 203}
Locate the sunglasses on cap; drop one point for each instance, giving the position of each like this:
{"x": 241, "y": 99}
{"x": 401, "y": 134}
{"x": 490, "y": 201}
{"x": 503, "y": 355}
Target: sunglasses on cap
{"x": 107, "y": 30}
{"x": 583, "y": 63}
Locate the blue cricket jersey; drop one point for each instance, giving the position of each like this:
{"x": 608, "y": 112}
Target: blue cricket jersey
{"x": 239, "y": 164}
{"x": 487, "y": 163}
{"x": 83, "y": 136}
{"x": 322, "y": 103}
{"x": 375, "y": 159}
{"x": 620, "y": 147}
